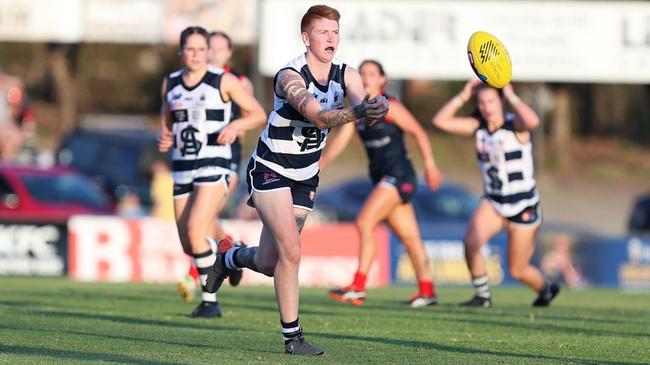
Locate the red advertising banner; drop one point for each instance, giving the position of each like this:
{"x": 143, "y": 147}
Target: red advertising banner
{"x": 122, "y": 250}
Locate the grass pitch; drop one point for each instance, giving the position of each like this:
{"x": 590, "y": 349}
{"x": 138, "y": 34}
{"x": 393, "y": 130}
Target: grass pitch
{"x": 60, "y": 321}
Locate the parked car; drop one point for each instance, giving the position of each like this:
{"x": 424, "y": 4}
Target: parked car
{"x": 639, "y": 221}
{"x": 119, "y": 160}
{"x": 450, "y": 203}
{"x": 29, "y": 194}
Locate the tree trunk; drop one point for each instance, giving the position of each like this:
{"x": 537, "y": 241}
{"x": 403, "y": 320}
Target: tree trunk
{"x": 65, "y": 91}
{"x": 560, "y": 133}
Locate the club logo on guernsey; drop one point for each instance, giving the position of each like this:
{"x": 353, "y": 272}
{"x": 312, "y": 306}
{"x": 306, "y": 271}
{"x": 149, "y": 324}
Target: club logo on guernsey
{"x": 313, "y": 139}
{"x": 191, "y": 146}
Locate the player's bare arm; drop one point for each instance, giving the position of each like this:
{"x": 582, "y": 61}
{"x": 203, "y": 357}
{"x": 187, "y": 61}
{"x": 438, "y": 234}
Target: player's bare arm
{"x": 253, "y": 114}
{"x": 292, "y": 86}
{"x": 446, "y": 118}
{"x": 247, "y": 85}
{"x": 358, "y": 98}
{"x": 166, "y": 139}
{"x": 527, "y": 119}
{"x": 407, "y": 122}
{"x": 336, "y": 143}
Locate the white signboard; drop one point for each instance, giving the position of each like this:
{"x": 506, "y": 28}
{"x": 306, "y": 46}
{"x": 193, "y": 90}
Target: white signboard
{"x": 123, "y": 21}
{"x": 40, "y": 20}
{"x": 133, "y": 21}
{"x": 235, "y": 17}
{"x": 548, "y": 41}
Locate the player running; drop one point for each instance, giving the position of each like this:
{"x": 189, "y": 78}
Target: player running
{"x": 511, "y": 200}
{"x": 220, "y": 52}
{"x": 196, "y": 125}
{"x": 394, "y": 180}
{"x": 283, "y": 171}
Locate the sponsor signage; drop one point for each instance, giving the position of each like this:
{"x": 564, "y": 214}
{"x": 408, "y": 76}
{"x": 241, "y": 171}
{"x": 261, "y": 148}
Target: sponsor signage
{"x": 116, "y": 249}
{"x": 40, "y": 20}
{"x": 596, "y": 261}
{"x": 446, "y": 255}
{"x": 447, "y": 263}
{"x": 133, "y": 21}
{"x": 33, "y": 249}
{"x": 569, "y": 41}
{"x": 634, "y": 272}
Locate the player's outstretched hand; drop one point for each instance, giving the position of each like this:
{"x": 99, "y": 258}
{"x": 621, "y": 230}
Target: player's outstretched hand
{"x": 228, "y": 134}
{"x": 376, "y": 108}
{"x": 469, "y": 88}
{"x": 508, "y": 90}
{"x": 433, "y": 177}
{"x": 166, "y": 141}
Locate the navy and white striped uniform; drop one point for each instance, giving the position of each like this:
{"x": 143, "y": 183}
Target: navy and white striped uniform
{"x": 506, "y": 164}
{"x": 389, "y": 162}
{"x": 197, "y": 114}
{"x": 290, "y": 146}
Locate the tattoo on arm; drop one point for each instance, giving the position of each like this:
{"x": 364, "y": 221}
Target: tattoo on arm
{"x": 335, "y": 118}
{"x": 245, "y": 257}
{"x": 300, "y": 222}
{"x": 294, "y": 89}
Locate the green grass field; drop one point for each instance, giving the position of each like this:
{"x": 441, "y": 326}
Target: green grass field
{"x": 60, "y": 321}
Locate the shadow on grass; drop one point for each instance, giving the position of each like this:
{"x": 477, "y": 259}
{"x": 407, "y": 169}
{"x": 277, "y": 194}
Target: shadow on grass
{"x": 465, "y": 350}
{"x": 84, "y": 294}
{"x": 577, "y": 314}
{"x": 103, "y": 335}
{"x": 271, "y": 307}
{"x": 543, "y": 326}
{"x": 450, "y": 313}
{"x": 76, "y": 355}
{"x": 519, "y": 320}
{"x": 132, "y": 338}
{"x": 196, "y": 324}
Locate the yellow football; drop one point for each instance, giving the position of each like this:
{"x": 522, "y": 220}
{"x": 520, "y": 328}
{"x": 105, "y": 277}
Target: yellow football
{"x": 489, "y": 59}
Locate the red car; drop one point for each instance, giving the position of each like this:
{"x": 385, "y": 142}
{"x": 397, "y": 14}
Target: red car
{"x": 31, "y": 194}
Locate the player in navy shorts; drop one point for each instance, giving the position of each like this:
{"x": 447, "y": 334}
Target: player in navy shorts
{"x": 220, "y": 52}
{"x": 394, "y": 180}
{"x": 511, "y": 200}
{"x": 197, "y": 128}
{"x": 283, "y": 171}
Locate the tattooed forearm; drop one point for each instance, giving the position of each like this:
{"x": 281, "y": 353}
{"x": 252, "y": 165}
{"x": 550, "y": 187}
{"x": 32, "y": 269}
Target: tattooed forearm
{"x": 245, "y": 257}
{"x": 292, "y": 86}
{"x": 300, "y": 222}
{"x": 335, "y": 118}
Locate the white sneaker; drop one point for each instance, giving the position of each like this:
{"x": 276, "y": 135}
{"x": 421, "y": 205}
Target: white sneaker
{"x": 417, "y": 301}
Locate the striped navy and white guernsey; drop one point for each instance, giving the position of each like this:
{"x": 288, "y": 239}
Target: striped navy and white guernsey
{"x": 197, "y": 114}
{"x": 290, "y": 144}
{"x": 507, "y": 168}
